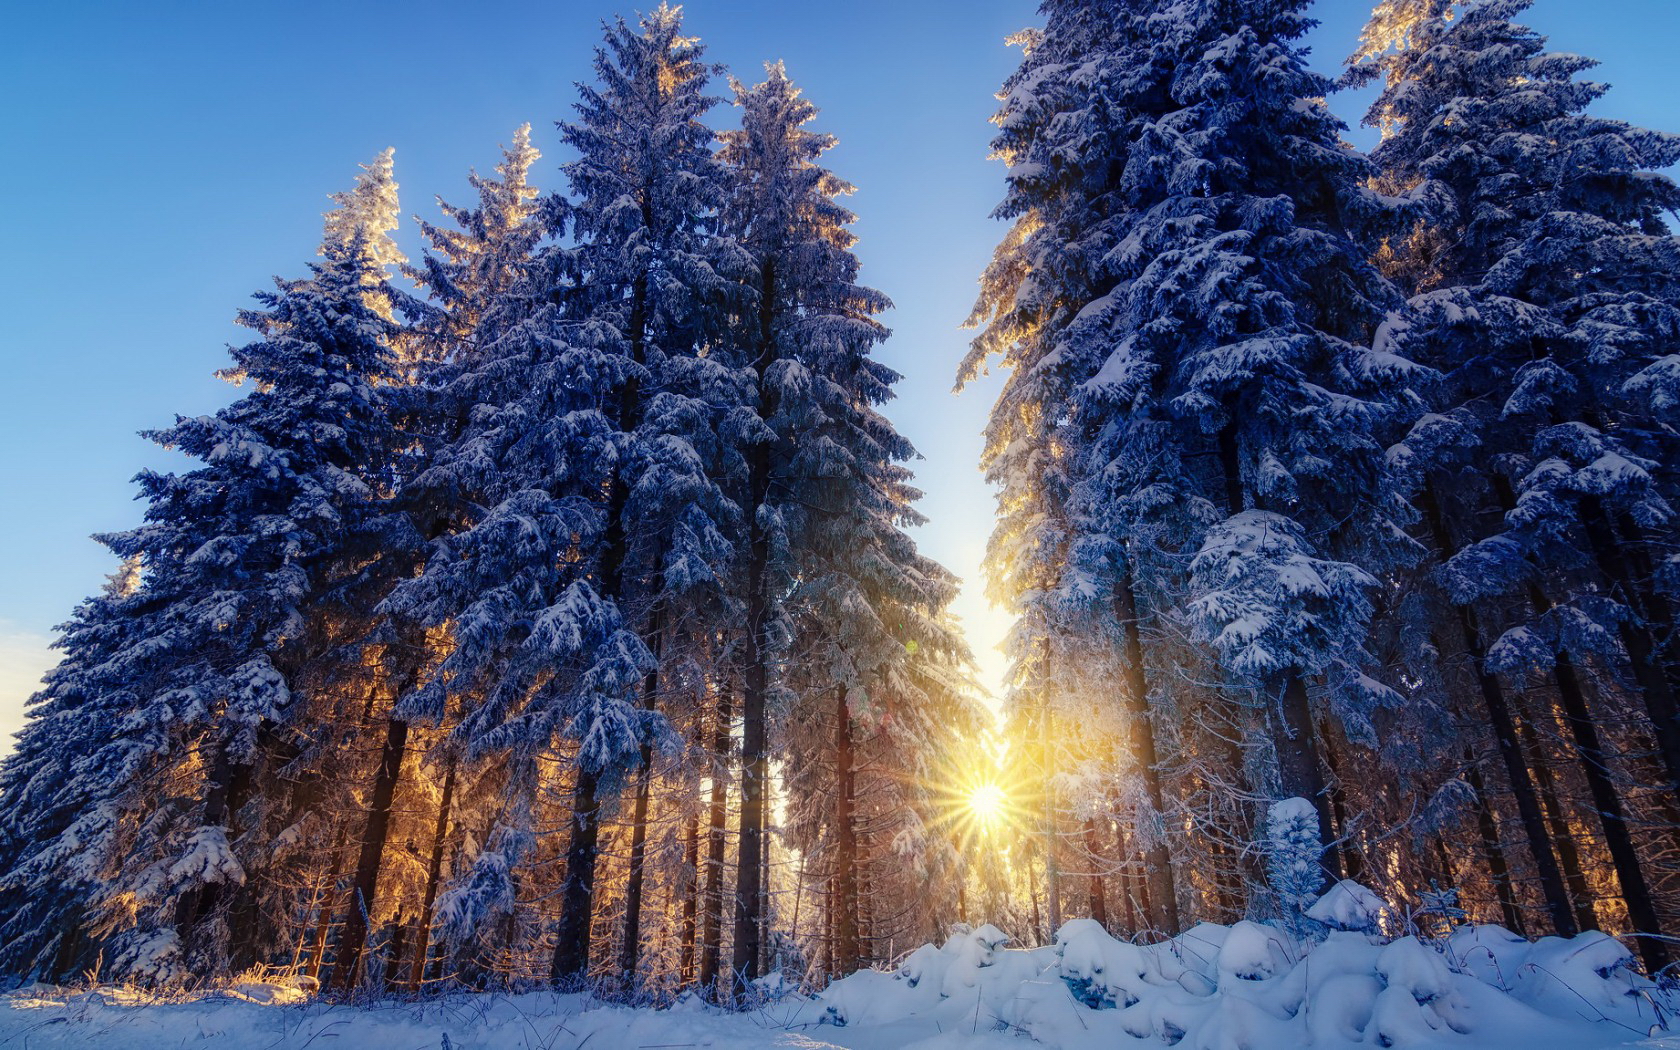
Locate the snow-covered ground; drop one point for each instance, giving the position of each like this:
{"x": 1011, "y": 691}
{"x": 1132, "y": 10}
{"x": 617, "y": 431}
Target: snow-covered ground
{"x": 1242, "y": 987}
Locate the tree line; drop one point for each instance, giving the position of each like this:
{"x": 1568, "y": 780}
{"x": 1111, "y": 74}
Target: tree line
{"x": 501, "y": 630}
{"x": 1334, "y": 476}
{"x": 559, "y": 623}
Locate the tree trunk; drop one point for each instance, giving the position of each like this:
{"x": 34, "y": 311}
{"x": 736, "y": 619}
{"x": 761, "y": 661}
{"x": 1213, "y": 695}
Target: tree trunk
{"x": 846, "y": 949}
{"x": 1501, "y": 722}
{"x": 434, "y": 875}
{"x": 352, "y": 942}
{"x": 755, "y": 672}
{"x": 1569, "y": 857}
{"x": 394, "y": 954}
{"x": 1648, "y": 670}
{"x": 570, "y": 967}
{"x": 1299, "y": 773}
{"x": 711, "y": 925}
{"x": 1642, "y": 910}
{"x": 630, "y": 949}
{"x": 1522, "y": 789}
{"x": 1158, "y": 877}
{"x": 1352, "y": 860}
{"x": 690, "y": 905}
{"x": 1098, "y": 898}
{"x": 1499, "y": 870}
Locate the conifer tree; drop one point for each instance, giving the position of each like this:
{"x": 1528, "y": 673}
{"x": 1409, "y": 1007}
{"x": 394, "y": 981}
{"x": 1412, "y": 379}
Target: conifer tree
{"x": 235, "y": 561}
{"x": 1541, "y": 246}
{"x": 831, "y": 584}
{"x": 645, "y": 192}
{"x": 1205, "y": 390}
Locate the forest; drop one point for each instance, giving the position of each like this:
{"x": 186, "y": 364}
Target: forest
{"x": 545, "y": 612}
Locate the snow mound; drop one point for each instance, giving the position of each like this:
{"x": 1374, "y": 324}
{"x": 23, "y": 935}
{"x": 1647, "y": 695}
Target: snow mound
{"x": 1349, "y": 906}
{"x": 1253, "y": 986}
{"x": 1248, "y": 986}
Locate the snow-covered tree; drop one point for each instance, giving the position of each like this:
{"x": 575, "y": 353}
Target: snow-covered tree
{"x": 652, "y": 290}
{"x": 1186, "y": 305}
{"x": 1545, "y": 296}
{"x": 237, "y": 563}
{"x": 845, "y": 620}
{"x": 1077, "y": 630}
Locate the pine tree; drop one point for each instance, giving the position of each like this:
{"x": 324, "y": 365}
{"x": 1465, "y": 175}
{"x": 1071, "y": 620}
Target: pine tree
{"x": 645, "y": 191}
{"x": 236, "y": 560}
{"x": 1541, "y": 244}
{"x": 1193, "y": 407}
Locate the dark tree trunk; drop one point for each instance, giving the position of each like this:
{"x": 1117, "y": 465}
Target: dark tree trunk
{"x": 711, "y": 923}
{"x": 846, "y": 948}
{"x": 1642, "y": 910}
{"x": 630, "y": 949}
{"x": 434, "y": 875}
{"x": 1299, "y": 772}
{"x": 1499, "y": 870}
{"x": 352, "y": 941}
{"x": 1099, "y": 898}
{"x": 1352, "y": 860}
{"x": 577, "y": 892}
{"x": 1649, "y": 672}
{"x": 394, "y": 953}
{"x": 755, "y": 676}
{"x": 1502, "y": 723}
{"x": 1522, "y": 789}
{"x": 1569, "y": 857}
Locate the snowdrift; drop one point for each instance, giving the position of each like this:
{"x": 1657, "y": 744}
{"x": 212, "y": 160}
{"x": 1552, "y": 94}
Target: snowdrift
{"x": 1257, "y": 987}
{"x": 1242, "y": 987}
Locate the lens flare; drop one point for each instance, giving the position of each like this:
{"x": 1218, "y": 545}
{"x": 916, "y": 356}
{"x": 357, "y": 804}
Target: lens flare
{"x": 987, "y": 803}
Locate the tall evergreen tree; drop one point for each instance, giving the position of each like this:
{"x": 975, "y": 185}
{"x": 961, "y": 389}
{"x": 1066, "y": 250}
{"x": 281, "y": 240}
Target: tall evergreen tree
{"x": 645, "y": 192}
{"x": 235, "y": 561}
{"x": 1545, "y": 283}
{"x": 1212, "y": 400}
{"x": 827, "y": 567}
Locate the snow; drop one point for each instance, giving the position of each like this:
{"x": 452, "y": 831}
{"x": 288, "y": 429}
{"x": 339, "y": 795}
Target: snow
{"x": 1249, "y": 986}
{"x": 1349, "y": 906}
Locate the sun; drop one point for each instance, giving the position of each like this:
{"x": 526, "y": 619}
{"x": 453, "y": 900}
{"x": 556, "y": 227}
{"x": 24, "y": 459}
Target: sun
{"x": 987, "y": 804}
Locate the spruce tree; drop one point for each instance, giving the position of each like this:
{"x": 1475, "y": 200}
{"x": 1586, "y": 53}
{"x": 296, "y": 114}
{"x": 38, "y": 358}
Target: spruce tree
{"x": 1545, "y": 294}
{"x": 645, "y": 192}
{"x": 236, "y": 559}
{"x": 1207, "y": 390}
{"x": 844, "y": 618}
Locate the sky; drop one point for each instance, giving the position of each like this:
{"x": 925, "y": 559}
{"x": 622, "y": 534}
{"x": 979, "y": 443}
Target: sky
{"x": 164, "y": 160}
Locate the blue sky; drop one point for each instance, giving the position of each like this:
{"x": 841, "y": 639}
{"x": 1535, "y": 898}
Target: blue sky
{"x": 164, "y": 159}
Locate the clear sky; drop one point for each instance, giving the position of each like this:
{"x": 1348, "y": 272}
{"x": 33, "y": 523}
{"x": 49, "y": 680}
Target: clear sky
{"x": 162, "y": 160}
